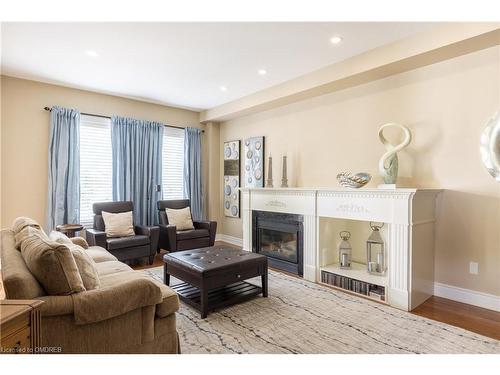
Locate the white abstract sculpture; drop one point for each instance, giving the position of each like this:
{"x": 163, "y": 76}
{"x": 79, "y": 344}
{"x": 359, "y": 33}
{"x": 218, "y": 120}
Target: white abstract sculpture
{"x": 388, "y": 164}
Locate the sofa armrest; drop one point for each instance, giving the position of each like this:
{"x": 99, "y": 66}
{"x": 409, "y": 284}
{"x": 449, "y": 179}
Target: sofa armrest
{"x": 152, "y": 232}
{"x": 80, "y": 241}
{"x": 56, "y": 305}
{"x": 168, "y": 237}
{"x": 96, "y": 237}
{"x": 105, "y": 303}
{"x": 210, "y": 225}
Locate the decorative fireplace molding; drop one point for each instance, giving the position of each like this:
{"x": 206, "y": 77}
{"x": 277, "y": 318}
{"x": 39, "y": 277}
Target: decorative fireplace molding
{"x": 409, "y": 213}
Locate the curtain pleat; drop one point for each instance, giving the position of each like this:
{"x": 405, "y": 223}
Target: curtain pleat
{"x": 136, "y": 149}
{"x": 63, "y": 201}
{"x": 193, "y": 184}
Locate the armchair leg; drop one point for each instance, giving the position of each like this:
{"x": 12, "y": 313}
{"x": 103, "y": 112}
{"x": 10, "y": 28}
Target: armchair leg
{"x": 151, "y": 259}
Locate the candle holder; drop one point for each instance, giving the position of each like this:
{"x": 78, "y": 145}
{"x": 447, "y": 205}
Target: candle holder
{"x": 269, "y": 183}
{"x": 284, "y": 179}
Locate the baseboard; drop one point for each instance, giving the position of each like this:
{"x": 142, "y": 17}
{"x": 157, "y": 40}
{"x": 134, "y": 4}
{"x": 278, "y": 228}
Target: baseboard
{"x": 471, "y": 297}
{"x": 236, "y": 241}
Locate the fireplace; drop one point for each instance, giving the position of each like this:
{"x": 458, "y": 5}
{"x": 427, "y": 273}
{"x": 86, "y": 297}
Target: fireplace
{"x": 279, "y": 236}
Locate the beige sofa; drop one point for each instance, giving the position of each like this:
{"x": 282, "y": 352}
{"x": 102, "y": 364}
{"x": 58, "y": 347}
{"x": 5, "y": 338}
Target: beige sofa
{"x": 129, "y": 313}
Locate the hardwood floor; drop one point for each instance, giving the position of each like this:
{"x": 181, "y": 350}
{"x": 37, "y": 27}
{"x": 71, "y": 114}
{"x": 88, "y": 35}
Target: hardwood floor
{"x": 472, "y": 318}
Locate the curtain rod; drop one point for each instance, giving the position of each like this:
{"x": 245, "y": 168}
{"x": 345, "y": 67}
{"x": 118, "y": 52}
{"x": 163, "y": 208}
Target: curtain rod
{"x": 102, "y": 116}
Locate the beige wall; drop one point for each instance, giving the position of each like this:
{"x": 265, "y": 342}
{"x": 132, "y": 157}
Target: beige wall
{"x": 446, "y": 105}
{"x": 25, "y": 136}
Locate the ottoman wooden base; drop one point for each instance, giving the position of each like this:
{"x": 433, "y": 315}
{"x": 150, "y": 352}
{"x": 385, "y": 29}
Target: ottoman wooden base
{"x": 217, "y": 298}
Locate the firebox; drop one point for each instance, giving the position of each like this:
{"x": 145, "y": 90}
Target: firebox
{"x": 279, "y": 236}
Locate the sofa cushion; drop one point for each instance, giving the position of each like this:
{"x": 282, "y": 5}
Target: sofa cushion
{"x": 52, "y": 264}
{"x": 109, "y": 268}
{"x": 98, "y": 254}
{"x": 181, "y": 218}
{"x": 190, "y": 234}
{"x": 18, "y": 281}
{"x": 124, "y": 242}
{"x": 119, "y": 224}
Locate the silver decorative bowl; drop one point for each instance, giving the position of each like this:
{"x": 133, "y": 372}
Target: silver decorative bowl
{"x": 355, "y": 181}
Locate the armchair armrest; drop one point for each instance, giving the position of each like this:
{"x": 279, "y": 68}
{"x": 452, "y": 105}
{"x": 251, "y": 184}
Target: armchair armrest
{"x": 210, "y": 225}
{"x": 96, "y": 237}
{"x": 152, "y": 232}
{"x": 168, "y": 237}
{"x": 105, "y": 303}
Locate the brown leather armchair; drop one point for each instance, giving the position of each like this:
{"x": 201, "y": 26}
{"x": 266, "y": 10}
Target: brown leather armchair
{"x": 171, "y": 239}
{"x": 143, "y": 244}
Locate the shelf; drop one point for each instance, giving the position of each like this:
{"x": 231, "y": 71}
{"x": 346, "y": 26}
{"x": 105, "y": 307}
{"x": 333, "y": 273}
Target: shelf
{"x": 356, "y": 294}
{"x": 358, "y": 271}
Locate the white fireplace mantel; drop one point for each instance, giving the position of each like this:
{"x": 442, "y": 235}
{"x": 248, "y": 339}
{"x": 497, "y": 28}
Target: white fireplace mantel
{"x": 409, "y": 213}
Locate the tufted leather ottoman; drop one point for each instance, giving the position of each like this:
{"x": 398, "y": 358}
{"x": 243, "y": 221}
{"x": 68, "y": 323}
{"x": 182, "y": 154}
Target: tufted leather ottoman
{"x": 213, "y": 276}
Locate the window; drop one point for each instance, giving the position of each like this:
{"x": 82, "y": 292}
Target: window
{"x": 95, "y": 165}
{"x": 173, "y": 163}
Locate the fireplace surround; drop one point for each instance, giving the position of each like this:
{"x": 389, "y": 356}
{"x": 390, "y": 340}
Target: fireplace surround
{"x": 409, "y": 215}
{"x": 279, "y": 236}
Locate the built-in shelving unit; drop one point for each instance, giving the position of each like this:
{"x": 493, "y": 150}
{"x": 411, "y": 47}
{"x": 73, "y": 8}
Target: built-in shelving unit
{"x": 356, "y": 280}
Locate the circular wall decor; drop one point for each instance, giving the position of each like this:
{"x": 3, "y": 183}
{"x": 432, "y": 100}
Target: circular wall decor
{"x": 490, "y": 146}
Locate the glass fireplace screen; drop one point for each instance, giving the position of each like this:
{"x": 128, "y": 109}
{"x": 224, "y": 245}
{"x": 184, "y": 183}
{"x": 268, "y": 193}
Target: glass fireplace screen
{"x": 277, "y": 244}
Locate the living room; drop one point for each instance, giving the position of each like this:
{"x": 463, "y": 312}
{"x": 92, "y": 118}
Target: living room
{"x": 321, "y": 186}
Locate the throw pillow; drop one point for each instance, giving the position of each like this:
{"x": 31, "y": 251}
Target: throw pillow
{"x": 86, "y": 266}
{"x": 52, "y": 264}
{"x": 180, "y": 218}
{"x": 25, "y": 233}
{"x": 22, "y": 222}
{"x": 60, "y": 238}
{"x": 118, "y": 225}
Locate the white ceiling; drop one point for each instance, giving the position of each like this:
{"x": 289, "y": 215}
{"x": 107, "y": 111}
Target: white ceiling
{"x": 185, "y": 64}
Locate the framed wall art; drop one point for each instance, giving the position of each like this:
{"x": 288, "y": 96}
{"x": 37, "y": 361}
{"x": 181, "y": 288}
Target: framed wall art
{"x": 254, "y": 162}
{"x": 232, "y": 178}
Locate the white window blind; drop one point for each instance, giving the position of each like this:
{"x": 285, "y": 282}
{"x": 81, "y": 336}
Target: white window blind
{"x": 173, "y": 163}
{"x": 95, "y": 165}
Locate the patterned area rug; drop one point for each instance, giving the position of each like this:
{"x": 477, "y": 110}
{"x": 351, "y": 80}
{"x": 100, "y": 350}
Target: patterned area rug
{"x": 304, "y": 317}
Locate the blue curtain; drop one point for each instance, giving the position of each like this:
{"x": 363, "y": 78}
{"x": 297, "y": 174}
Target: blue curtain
{"x": 193, "y": 186}
{"x": 63, "y": 201}
{"x": 136, "y": 148}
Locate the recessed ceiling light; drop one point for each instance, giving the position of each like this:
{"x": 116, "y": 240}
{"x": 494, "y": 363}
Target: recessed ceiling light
{"x": 223, "y": 88}
{"x": 335, "y": 39}
{"x": 91, "y": 53}
{"x": 262, "y": 72}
